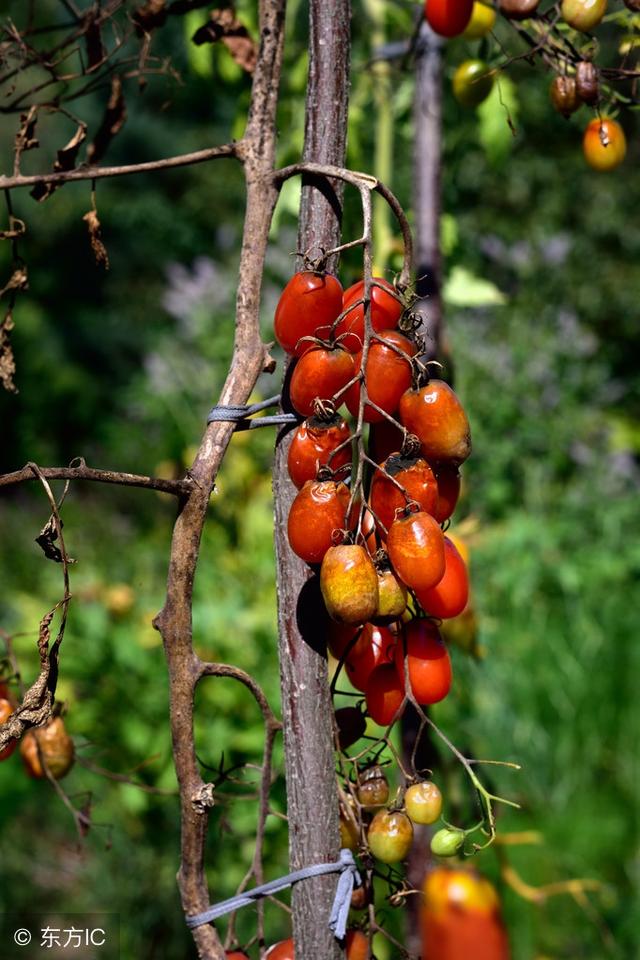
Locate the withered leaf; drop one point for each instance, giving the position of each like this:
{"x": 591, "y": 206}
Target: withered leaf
{"x": 46, "y": 540}
{"x": 151, "y": 14}
{"x": 224, "y": 26}
{"x": 112, "y": 122}
{"x": 7, "y": 362}
{"x": 66, "y": 160}
{"x": 95, "y": 237}
{"x": 25, "y": 138}
{"x": 18, "y": 280}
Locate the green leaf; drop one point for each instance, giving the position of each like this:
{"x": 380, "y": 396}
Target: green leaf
{"x": 463, "y": 289}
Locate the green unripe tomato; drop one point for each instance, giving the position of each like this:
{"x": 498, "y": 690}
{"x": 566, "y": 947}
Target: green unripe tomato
{"x": 583, "y": 15}
{"x": 472, "y": 83}
{"x": 447, "y": 842}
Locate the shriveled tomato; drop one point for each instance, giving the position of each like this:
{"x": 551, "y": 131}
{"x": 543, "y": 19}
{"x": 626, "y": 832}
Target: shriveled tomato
{"x": 373, "y": 788}
{"x": 384, "y": 694}
{"x": 349, "y": 584}
{"x": 318, "y": 375}
{"x": 374, "y": 646}
{"x": 448, "y": 479}
{"x": 6, "y": 709}
{"x": 450, "y": 595}
{"x": 449, "y": 18}
{"x": 437, "y": 418}
{"x": 308, "y": 305}
{"x": 318, "y": 509}
{"x": 387, "y": 375}
{"x": 56, "y": 748}
{"x": 604, "y": 144}
{"x": 415, "y": 545}
{"x": 390, "y": 836}
{"x": 461, "y": 917}
{"x": 415, "y": 475}
{"x": 428, "y": 663}
{"x": 386, "y": 311}
{"x": 384, "y": 439}
{"x": 312, "y": 445}
{"x": 423, "y": 802}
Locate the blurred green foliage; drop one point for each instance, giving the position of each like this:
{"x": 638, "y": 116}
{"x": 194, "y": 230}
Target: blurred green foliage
{"x": 121, "y": 367}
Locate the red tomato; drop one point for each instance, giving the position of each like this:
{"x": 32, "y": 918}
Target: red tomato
{"x": 281, "y": 951}
{"x": 448, "y": 480}
{"x": 318, "y": 509}
{"x": 236, "y": 955}
{"x": 387, "y": 376}
{"x": 437, "y": 418}
{"x": 6, "y": 710}
{"x": 313, "y": 443}
{"x": 318, "y": 375}
{"x": 428, "y": 663}
{"x": 374, "y": 646}
{"x": 308, "y": 305}
{"x": 449, "y": 18}
{"x": 450, "y": 595}
{"x": 415, "y": 545}
{"x": 384, "y": 694}
{"x": 415, "y": 475}
{"x": 604, "y": 144}
{"x": 384, "y": 439}
{"x": 357, "y": 947}
{"x": 340, "y": 636}
{"x": 386, "y": 310}
{"x": 461, "y": 917}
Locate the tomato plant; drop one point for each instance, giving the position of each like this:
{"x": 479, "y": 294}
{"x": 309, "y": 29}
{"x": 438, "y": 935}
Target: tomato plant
{"x": 386, "y": 310}
{"x": 472, "y": 83}
{"x": 56, "y": 747}
{"x": 313, "y": 443}
{"x": 450, "y": 595}
{"x": 423, "y": 802}
{"x": 460, "y": 917}
{"x": 373, "y": 788}
{"x": 415, "y": 544}
{"x": 374, "y": 646}
{"x": 411, "y": 472}
{"x": 449, "y": 18}
{"x": 483, "y": 18}
{"x": 392, "y": 596}
{"x": 318, "y": 510}
{"x": 387, "y": 375}
{"x": 583, "y": 15}
{"x": 436, "y": 416}
{"x": 447, "y": 842}
{"x": 384, "y": 694}
{"x": 320, "y": 373}
{"x": 448, "y": 479}
{"x": 349, "y": 584}
{"x": 307, "y": 307}
{"x": 604, "y": 144}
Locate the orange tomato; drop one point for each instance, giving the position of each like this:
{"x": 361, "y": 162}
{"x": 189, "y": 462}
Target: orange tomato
{"x": 415, "y": 545}
{"x": 313, "y": 443}
{"x": 385, "y": 312}
{"x": 461, "y": 917}
{"x": 384, "y": 694}
{"x": 428, "y": 662}
{"x": 417, "y": 478}
{"x": 319, "y": 509}
{"x": 604, "y": 144}
{"x": 6, "y": 710}
{"x": 437, "y": 418}
{"x": 450, "y": 595}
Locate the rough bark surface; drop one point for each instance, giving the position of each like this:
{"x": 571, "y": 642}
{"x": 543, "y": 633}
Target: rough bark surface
{"x": 306, "y": 702}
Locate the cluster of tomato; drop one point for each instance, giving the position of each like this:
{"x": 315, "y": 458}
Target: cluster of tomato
{"x": 49, "y": 746}
{"x": 379, "y": 555}
{"x": 604, "y": 143}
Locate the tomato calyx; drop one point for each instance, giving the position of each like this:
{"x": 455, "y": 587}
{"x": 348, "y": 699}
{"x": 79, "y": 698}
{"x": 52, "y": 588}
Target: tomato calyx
{"x": 410, "y": 507}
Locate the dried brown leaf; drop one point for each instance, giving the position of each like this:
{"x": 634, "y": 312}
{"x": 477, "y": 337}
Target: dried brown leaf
{"x": 66, "y": 160}
{"x": 224, "y": 26}
{"x": 18, "y": 280}
{"x": 149, "y": 16}
{"x": 93, "y": 38}
{"x": 112, "y": 122}
{"x": 25, "y": 137}
{"x": 95, "y": 237}
{"x": 7, "y": 362}
{"x": 46, "y": 540}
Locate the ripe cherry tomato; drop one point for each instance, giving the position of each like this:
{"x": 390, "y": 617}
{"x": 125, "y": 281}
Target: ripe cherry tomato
{"x": 604, "y": 144}
{"x": 450, "y": 595}
{"x": 472, "y": 83}
{"x": 357, "y": 945}
{"x": 390, "y": 836}
{"x": 281, "y": 951}
{"x": 449, "y": 18}
{"x": 461, "y": 917}
{"x": 428, "y": 663}
{"x": 384, "y": 694}
{"x": 423, "y": 802}
{"x": 583, "y": 15}
{"x": 437, "y": 418}
{"x": 415, "y": 544}
{"x": 386, "y": 311}
{"x": 318, "y": 509}
{"x": 387, "y": 375}
{"x": 308, "y": 305}
{"x": 56, "y": 747}
{"x": 349, "y": 584}
{"x": 318, "y": 375}
{"x": 374, "y": 646}
{"x": 236, "y": 955}
{"x": 415, "y": 475}
{"x": 6, "y": 709}
{"x": 313, "y": 443}
{"x": 448, "y": 480}
{"x": 373, "y": 788}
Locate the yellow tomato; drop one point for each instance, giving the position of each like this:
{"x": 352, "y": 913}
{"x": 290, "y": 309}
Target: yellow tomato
{"x": 604, "y": 144}
{"x": 482, "y": 22}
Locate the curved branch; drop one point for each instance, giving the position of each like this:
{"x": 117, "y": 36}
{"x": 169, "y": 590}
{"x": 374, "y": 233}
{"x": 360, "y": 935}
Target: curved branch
{"x": 176, "y": 487}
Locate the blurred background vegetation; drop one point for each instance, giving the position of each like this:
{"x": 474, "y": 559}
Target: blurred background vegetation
{"x": 121, "y": 366}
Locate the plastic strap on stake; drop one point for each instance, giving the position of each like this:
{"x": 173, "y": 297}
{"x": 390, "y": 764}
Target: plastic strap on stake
{"x": 349, "y": 878}
{"x": 240, "y": 415}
